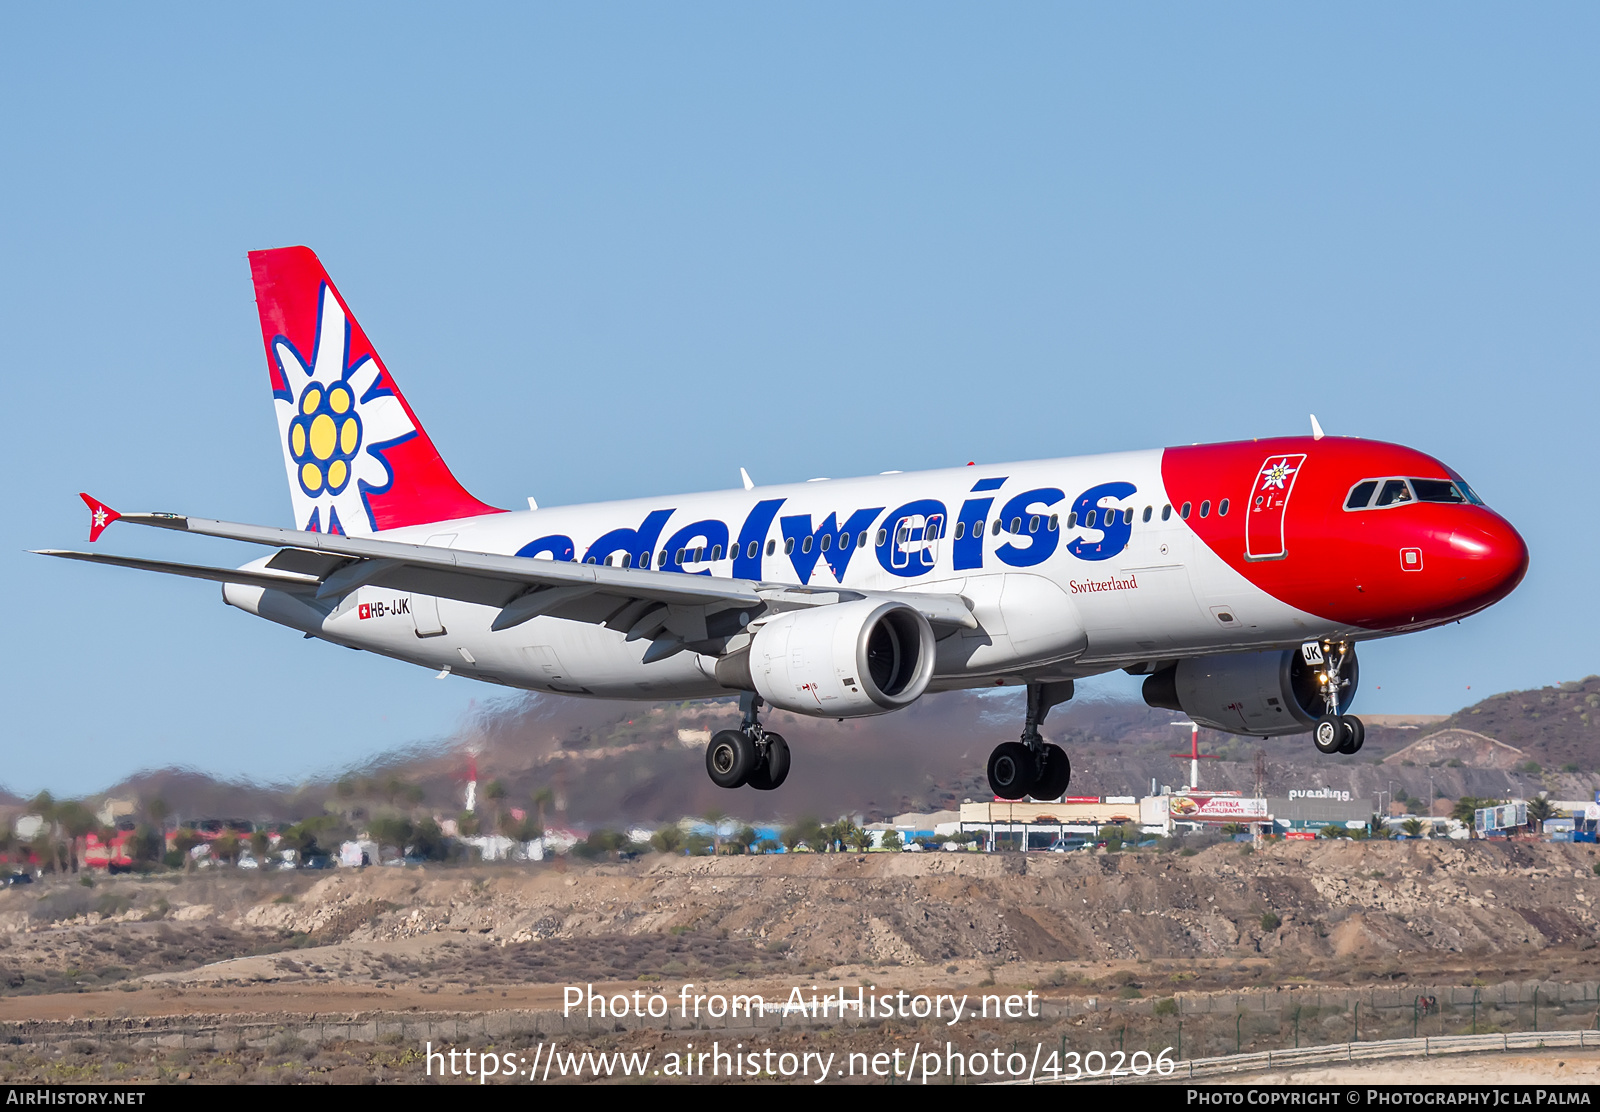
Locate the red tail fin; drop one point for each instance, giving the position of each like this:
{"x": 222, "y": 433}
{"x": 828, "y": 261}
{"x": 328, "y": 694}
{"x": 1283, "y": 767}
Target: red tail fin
{"x": 357, "y": 457}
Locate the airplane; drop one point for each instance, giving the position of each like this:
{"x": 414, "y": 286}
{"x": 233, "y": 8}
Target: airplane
{"x": 1237, "y": 578}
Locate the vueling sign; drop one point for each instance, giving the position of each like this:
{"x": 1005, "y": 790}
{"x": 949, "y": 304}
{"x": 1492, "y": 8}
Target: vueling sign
{"x": 906, "y": 541}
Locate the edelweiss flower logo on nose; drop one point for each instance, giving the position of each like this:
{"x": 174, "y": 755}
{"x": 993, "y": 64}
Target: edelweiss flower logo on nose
{"x": 335, "y": 422}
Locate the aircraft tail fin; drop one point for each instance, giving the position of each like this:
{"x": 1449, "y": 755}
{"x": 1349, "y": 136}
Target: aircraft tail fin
{"x": 358, "y": 459}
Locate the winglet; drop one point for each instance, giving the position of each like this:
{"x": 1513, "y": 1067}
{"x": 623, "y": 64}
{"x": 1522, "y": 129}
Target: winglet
{"x": 745, "y": 477}
{"x": 100, "y": 515}
{"x": 1316, "y": 429}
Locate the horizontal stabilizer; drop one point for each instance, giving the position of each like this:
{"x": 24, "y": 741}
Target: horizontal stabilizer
{"x": 272, "y": 580}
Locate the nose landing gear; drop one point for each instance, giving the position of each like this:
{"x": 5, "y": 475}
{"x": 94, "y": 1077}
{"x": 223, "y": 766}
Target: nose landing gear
{"x": 749, "y": 755}
{"x": 1334, "y": 732}
{"x": 1033, "y": 766}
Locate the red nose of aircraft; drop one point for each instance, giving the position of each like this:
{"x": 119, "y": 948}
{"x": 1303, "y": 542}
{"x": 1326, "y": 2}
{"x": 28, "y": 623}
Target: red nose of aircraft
{"x": 1487, "y": 558}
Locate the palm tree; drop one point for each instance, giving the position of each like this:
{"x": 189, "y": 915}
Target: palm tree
{"x": 543, "y": 798}
{"x": 1538, "y": 810}
{"x": 1412, "y": 827}
{"x": 747, "y": 838}
{"x": 76, "y": 821}
{"x": 714, "y": 819}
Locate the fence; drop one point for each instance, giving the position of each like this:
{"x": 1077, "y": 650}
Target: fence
{"x": 1426, "y": 1047}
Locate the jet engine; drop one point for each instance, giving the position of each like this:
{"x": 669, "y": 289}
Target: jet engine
{"x": 845, "y": 660}
{"x": 1261, "y": 694}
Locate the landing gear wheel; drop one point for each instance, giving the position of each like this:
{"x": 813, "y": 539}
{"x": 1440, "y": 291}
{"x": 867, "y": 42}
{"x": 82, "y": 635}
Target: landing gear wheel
{"x": 1056, "y": 776}
{"x": 772, "y": 772}
{"x": 730, "y": 758}
{"x": 1329, "y": 735}
{"x": 1355, "y": 733}
{"x": 1011, "y": 768}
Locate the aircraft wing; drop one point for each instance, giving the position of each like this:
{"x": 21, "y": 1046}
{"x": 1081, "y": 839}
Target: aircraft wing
{"x": 671, "y": 609}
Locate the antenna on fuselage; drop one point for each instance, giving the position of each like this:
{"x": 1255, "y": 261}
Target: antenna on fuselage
{"x": 1316, "y": 429}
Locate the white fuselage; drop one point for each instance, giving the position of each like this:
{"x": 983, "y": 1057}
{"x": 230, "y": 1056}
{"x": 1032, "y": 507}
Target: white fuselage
{"x": 1066, "y": 602}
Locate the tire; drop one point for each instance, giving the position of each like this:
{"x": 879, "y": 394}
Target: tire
{"x": 730, "y": 757}
{"x": 1057, "y": 774}
{"x": 1011, "y": 770}
{"x": 772, "y": 772}
{"x": 1329, "y": 735}
{"x": 1355, "y": 735}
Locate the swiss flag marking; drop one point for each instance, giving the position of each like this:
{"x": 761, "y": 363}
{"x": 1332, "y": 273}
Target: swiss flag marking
{"x": 364, "y": 611}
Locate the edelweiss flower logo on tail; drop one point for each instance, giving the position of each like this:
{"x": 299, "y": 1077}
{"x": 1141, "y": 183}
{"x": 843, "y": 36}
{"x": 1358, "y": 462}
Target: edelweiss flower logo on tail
{"x": 335, "y": 423}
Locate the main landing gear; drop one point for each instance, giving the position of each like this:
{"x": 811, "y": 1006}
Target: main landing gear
{"x": 1334, "y": 732}
{"x": 748, "y": 755}
{"x": 1032, "y": 766}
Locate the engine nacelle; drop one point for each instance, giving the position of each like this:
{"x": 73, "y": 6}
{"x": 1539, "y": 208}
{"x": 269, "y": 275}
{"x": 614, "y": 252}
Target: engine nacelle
{"x": 1259, "y": 694}
{"x": 846, "y": 660}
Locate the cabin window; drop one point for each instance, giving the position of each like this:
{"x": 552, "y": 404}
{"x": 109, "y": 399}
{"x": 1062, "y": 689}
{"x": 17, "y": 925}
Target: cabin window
{"x": 1183, "y": 511}
{"x": 627, "y": 559}
{"x": 861, "y": 541}
{"x": 844, "y": 541}
{"x": 805, "y": 544}
{"x": 1033, "y": 524}
{"x": 977, "y": 528}
{"x": 1072, "y": 520}
{"x": 1127, "y": 516}
{"x": 1055, "y": 522}
{"x": 716, "y": 552}
{"x": 661, "y": 560}
{"x": 644, "y": 559}
{"x": 961, "y": 529}
{"x": 788, "y": 546}
{"x": 1222, "y": 509}
{"x": 1166, "y": 513}
{"x": 1205, "y": 508}
{"x": 883, "y": 537}
{"x": 1147, "y": 512}
{"x": 826, "y": 542}
{"x": 772, "y": 546}
{"x": 677, "y": 557}
{"x": 752, "y": 549}
{"x": 1089, "y": 519}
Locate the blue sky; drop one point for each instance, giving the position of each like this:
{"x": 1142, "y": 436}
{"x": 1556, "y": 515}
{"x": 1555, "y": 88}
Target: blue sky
{"x": 623, "y": 250}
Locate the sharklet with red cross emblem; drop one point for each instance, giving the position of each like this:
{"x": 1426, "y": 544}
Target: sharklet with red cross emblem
{"x": 100, "y": 515}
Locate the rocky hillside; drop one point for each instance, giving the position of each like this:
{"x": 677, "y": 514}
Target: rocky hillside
{"x": 617, "y": 763}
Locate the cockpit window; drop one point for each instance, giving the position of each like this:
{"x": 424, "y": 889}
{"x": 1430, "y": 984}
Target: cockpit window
{"x": 1437, "y": 490}
{"x": 1394, "y": 492}
{"x": 1360, "y": 495}
{"x": 1398, "y": 492}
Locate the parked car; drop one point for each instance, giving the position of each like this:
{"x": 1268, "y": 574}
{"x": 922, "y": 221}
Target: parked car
{"x": 1068, "y": 845}
{"x": 19, "y": 878}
